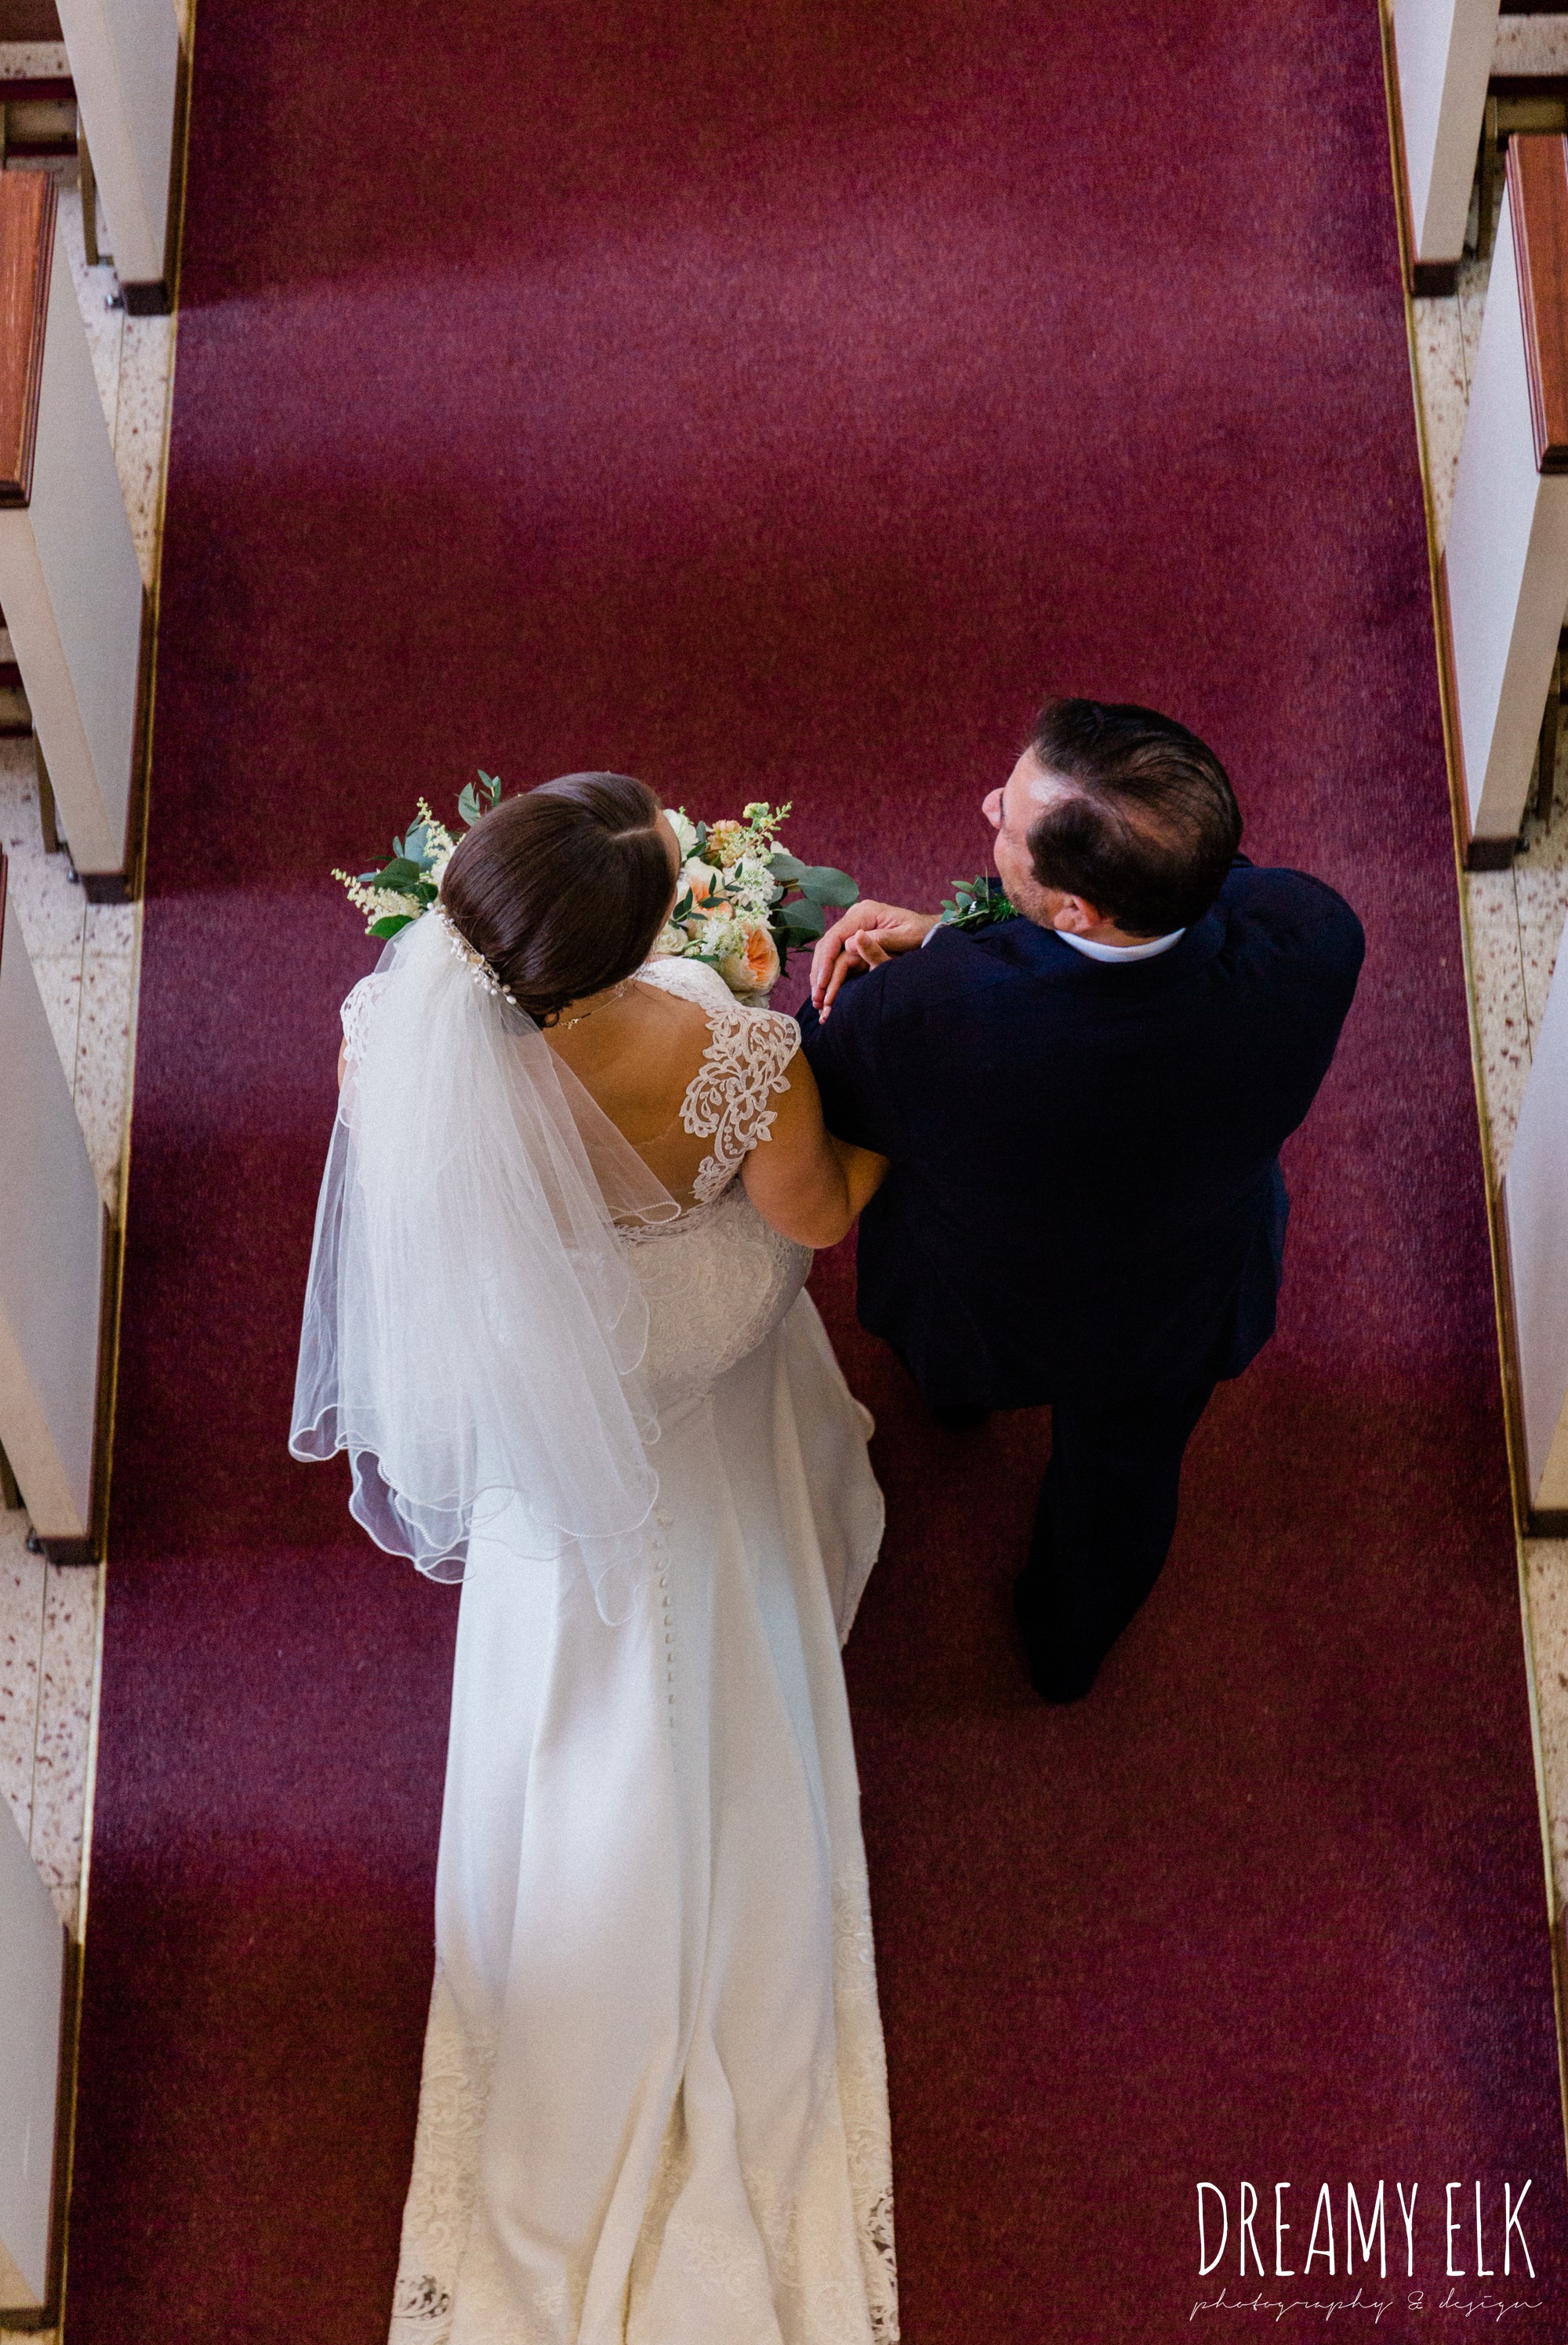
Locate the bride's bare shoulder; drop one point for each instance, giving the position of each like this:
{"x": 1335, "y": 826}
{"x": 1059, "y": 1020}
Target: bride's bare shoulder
{"x": 639, "y": 1059}
{"x": 681, "y": 1019}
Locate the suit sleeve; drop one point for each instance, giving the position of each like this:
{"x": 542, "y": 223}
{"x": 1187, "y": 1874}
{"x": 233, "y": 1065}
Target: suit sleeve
{"x": 850, "y": 1069}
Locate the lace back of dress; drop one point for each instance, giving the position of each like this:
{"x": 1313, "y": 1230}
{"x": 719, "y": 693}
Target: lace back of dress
{"x": 742, "y": 1069}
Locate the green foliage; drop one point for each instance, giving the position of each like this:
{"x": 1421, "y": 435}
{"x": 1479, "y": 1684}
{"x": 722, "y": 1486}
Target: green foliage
{"x": 473, "y": 803}
{"x": 802, "y": 923}
{"x": 978, "y": 903}
{"x": 411, "y": 878}
{"x": 805, "y": 892}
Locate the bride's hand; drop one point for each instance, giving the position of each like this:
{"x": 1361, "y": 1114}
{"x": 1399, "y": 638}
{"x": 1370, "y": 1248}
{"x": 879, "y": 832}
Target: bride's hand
{"x": 866, "y": 936}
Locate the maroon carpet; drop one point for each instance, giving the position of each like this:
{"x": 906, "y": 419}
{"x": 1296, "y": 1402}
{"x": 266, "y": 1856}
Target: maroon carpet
{"x": 775, "y": 401}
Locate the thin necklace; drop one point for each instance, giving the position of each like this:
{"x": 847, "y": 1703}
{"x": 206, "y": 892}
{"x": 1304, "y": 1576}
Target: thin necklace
{"x": 564, "y": 1025}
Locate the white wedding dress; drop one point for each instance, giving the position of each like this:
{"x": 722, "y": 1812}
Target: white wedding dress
{"x": 654, "y": 2107}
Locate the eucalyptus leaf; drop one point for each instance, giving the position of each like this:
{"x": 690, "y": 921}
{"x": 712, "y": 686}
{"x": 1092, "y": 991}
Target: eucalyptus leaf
{"x": 803, "y": 919}
{"x": 823, "y": 885}
{"x": 787, "y": 867}
{"x": 978, "y": 903}
{"x": 473, "y": 803}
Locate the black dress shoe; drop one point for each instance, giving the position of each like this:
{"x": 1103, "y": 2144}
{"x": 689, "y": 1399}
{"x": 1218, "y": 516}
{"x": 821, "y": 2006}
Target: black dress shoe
{"x": 959, "y": 1416}
{"x": 1051, "y": 1674}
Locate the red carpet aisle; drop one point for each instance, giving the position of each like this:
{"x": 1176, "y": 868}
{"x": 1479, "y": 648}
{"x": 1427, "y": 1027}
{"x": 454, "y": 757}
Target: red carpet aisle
{"x": 773, "y": 402}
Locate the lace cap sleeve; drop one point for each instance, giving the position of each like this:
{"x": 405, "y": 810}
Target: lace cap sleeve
{"x": 727, "y": 1099}
{"x": 357, "y": 1013}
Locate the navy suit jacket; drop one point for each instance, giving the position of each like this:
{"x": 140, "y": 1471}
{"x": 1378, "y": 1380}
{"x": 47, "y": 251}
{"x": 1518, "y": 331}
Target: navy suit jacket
{"x": 1085, "y": 1197}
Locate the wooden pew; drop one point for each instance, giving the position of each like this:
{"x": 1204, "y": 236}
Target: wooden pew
{"x": 37, "y": 101}
{"x": 53, "y": 1232}
{"x": 70, "y": 585}
{"x": 1440, "y": 54}
{"x": 1504, "y": 570}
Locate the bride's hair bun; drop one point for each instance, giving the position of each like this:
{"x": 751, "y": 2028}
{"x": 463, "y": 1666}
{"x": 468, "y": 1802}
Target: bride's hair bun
{"x": 564, "y": 887}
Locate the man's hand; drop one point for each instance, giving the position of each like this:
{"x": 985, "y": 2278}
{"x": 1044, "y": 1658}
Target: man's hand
{"x": 868, "y": 934}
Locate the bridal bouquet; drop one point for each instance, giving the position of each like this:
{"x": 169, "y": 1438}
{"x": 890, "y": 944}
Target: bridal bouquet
{"x": 409, "y": 885}
{"x": 742, "y": 903}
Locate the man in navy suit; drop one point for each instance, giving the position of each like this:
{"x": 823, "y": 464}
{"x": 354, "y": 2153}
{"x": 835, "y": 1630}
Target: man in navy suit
{"x": 1083, "y": 1103}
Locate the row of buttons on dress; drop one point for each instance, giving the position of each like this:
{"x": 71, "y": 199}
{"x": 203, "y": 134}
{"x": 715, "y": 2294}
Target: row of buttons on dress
{"x": 662, "y": 1517}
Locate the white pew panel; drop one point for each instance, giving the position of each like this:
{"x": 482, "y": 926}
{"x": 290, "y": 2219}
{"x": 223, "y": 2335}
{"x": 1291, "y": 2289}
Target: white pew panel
{"x": 125, "y": 62}
{"x": 32, "y": 2000}
{"x": 70, "y": 585}
{"x": 1442, "y": 50}
{"x": 1535, "y": 1221}
{"x": 52, "y": 1229}
{"x": 1505, "y": 565}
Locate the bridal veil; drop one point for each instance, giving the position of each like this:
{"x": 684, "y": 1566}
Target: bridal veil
{"x": 473, "y": 1336}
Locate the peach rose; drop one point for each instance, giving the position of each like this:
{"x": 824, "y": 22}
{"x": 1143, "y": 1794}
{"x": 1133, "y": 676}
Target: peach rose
{"x": 726, "y": 841}
{"x": 756, "y": 969}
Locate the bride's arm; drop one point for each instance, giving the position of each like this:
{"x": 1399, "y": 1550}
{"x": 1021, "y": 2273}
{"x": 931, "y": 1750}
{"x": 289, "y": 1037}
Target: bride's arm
{"x": 808, "y": 1186}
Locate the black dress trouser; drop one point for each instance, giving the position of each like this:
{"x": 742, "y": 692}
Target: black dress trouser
{"x": 1103, "y": 1528}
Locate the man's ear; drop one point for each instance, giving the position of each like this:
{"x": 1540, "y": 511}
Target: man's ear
{"x": 1076, "y": 915}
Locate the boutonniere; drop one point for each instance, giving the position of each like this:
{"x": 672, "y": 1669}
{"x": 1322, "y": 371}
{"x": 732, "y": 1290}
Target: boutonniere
{"x": 978, "y": 903}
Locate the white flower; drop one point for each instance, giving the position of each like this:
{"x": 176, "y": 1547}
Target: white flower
{"x": 684, "y": 829}
{"x": 379, "y": 903}
{"x": 721, "y": 938}
{"x": 439, "y": 840}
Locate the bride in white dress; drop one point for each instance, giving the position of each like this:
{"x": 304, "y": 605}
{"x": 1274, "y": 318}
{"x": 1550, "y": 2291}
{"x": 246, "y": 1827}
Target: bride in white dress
{"x": 557, "y": 1317}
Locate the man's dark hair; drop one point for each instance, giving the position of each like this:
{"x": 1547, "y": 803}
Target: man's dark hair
{"x": 1149, "y": 832}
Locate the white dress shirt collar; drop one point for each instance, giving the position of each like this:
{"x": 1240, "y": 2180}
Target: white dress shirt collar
{"x": 1093, "y": 951}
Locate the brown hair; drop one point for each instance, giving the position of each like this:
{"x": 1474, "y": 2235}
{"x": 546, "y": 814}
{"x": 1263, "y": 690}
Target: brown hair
{"x": 563, "y": 888}
{"x": 1149, "y": 825}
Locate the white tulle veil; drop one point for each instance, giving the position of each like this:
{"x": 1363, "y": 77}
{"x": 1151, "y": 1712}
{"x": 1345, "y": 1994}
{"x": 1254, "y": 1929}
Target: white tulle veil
{"x": 472, "y": 1332}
